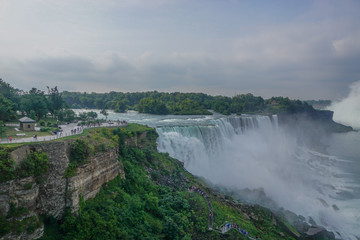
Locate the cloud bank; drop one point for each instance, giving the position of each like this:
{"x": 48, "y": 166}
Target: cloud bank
{"x": 306, "y": 50}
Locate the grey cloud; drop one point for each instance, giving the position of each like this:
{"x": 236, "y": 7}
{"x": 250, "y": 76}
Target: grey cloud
{"x": 185, "y": 73}
{"x": 60, "y": 64}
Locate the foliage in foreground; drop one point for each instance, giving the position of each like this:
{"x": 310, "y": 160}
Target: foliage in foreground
{"x": 138, "y": 207}
{"x": 36, "y": 164}
{"x": 134, "y": 208}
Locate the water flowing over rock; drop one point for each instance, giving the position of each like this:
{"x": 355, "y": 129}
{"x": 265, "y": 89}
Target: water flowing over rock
{"x": 262, "y": 152}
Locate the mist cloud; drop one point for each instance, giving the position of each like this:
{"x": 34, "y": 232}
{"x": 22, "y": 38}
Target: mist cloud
{"x": 308, "y": 51}
{"x": 347, "y": 110}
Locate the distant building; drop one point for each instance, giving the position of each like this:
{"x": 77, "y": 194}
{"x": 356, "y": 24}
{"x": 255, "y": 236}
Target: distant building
{"x": 27, "y": 124}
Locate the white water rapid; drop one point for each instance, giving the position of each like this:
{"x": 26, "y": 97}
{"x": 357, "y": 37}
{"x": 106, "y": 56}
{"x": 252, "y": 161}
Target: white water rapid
{"x": 255, "y": 152}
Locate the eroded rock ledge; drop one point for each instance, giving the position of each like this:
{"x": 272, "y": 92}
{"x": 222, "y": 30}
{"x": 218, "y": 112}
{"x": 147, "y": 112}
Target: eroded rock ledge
{"x": 56, "y": 192}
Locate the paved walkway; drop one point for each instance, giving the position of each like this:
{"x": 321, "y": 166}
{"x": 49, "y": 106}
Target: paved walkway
{"x": 67, "y": 130}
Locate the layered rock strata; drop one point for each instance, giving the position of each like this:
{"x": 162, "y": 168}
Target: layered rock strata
{"x": 56, "y": 192}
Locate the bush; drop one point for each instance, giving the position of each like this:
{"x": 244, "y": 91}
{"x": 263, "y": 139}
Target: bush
{"x": 16, "y": 211}
{"x": 54, "y": 125}
{"x": 28, "y": 186}
{"x": 71, "y": 170}
{"x": 33, "y": 224}
{"x": 45, "y": 129}
{"x": 42, "y": 123}
{"x": 7, "y": 171}
{"x": 4, "y": 226}
{"x": 79, "y": 153}
{"x": 36, "y": 164}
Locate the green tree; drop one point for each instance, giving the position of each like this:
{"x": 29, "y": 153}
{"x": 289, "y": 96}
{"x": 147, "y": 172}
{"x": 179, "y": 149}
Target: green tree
{"x": 6, "y": 165}
{"x": 79, "y": 151}
{"x": 120, "y": 107}
{"x": 36, "y": 164}
{"x": 35, "y": 101}
{"x": 153, "y": 106}
{"x": 55, "y": 101}
{"x": 105, "y": 113}
{"x": 6, "y": 109}
{"x": 2, "y": 129}
{"x": 67, "y": 115}
{"x": 92, "y": 114}
{"x": 11, "y": 94}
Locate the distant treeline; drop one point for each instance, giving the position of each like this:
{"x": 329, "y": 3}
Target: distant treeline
{"x": 184, "y": 103}
{"x": 38, "y": 104}
{"x": 319, "y": 103}
{"x": 35, "y": 103}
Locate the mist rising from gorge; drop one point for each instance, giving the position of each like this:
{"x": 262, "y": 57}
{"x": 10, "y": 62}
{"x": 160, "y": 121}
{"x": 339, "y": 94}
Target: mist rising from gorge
{"x": 347, "y": 110}
{"x": 258, "y": 154}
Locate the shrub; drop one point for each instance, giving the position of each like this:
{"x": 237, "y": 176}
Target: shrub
{"x": 42, "y": 123}
{"x": 79, "y": 151}
{"x": 6, "y": 165}
{"x": 71, "y": 170}
{"x": 54, "y": 125}
{"x": 4, "y": 226}
{"x": 45, "y": 129}
{"x": 16, "y": 211}
{"x": 36, "y": 164}
{"x": 28, "y": 186}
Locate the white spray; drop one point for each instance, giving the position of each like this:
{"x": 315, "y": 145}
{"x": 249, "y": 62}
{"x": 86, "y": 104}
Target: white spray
{"x": 347, "y": 110}
{"x": 254, "y": 152}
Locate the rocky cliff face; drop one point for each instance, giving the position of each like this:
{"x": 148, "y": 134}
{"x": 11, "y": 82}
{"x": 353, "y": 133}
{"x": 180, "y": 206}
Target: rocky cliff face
{"x": 101, "y": 168}
{"x": 56, "y": 192}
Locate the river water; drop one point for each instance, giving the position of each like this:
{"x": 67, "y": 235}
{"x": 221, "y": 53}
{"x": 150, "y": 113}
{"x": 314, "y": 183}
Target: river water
{"x": 254, "y": 152}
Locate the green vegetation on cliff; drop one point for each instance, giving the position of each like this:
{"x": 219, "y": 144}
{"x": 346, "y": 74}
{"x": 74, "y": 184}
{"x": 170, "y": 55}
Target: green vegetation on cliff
{"x": 153, "y": 201}
{"x": 36, "y": 164}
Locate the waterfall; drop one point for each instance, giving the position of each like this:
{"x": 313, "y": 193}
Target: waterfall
{"x": 254, "y": 152}
{"x": 200, "y": 146}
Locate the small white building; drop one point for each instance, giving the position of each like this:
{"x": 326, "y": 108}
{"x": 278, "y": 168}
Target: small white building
{"x": 27, "y": 124}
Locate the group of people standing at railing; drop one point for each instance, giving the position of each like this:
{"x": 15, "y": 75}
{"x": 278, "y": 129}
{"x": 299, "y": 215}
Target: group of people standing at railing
{"x": 204, "y": 194}
{"x": 227, "y": 226}
{"x": 98, "y": 123}
{"x": 76, "y": 130}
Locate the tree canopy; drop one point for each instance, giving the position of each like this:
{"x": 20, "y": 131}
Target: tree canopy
{"x": 38, "y": 104}
{"x": 35, "y": 103}
{"x": 184, "y": 103}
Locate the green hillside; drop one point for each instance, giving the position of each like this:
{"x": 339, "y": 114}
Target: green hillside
{"x": 154, "y": 202}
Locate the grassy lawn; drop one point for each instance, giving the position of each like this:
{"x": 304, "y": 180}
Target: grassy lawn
{"x": 12, "y": 132}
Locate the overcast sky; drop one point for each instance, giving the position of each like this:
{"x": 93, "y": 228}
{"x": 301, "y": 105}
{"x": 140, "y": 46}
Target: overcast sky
{"x": 301, "y": 49}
